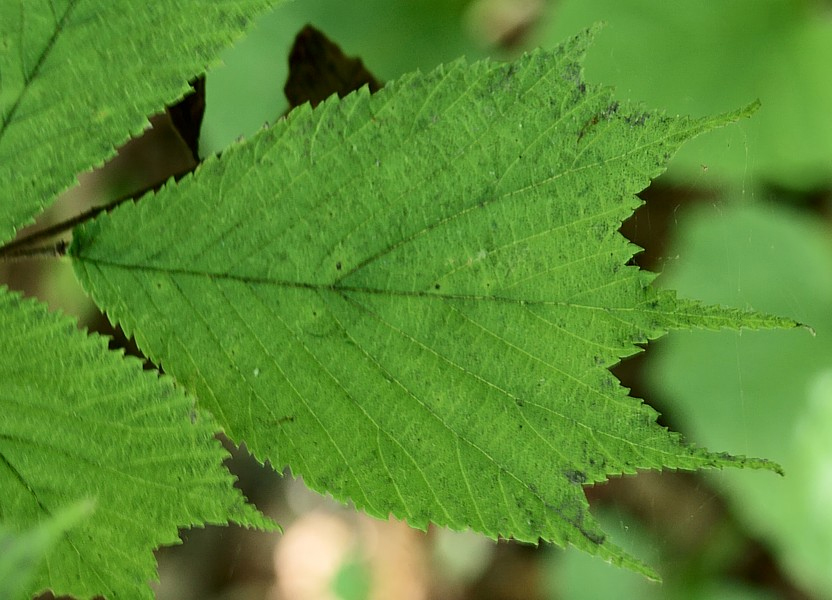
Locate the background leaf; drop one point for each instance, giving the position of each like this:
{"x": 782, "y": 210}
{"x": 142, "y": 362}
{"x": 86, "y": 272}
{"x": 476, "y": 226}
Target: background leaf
{"x": 81, "y": 422}
{"x": 413, "y": 298}
{"x": 79, "y": 77}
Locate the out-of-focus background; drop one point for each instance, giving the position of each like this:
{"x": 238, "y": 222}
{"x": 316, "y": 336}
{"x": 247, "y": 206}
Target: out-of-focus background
{"x": 741, "y": 218}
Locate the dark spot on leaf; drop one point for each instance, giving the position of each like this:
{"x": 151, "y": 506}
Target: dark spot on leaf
{"x": 611, "y": 110}
{"x": 519, "y": 402}
{"x": 637, "y": 120}
{"x": 437, "y": 286}
{"x": 587, "y": 126}
{"x": 575, "y": 477}
{"x": 572, "y": 72}
{"x": 593, "y": 537}
{"x": 338, "y": 265}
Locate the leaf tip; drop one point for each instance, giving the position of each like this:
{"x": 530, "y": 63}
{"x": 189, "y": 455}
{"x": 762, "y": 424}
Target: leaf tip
{"x": 625, "y": 560}
{"x": 724, "y": 459}
{"x": 762, "y": 463}
{"x": 733, "y": 116}
{"x": 596, "y": 28}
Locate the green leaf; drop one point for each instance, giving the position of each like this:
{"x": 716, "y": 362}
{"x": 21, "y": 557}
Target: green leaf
{"x": 413, "y": 298}
{"x": 20, "y": 554}
{"x": 82, "y": 422}
{"x": 79, "y": 77}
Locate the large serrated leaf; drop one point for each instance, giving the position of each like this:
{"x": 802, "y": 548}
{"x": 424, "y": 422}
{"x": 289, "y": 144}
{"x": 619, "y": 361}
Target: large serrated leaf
{"x": 413, "y": 298}
{"x": 79, "y": 77}
{"x": 80, "y": 422}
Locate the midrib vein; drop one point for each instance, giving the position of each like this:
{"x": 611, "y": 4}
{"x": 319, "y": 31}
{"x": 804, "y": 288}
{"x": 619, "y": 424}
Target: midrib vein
{"x": 32, "y": 75}
{"x": 336, "y": 288}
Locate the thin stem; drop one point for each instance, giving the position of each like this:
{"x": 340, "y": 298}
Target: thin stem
{"x": 55, "y": 250}
{"x": 14, "y": 248}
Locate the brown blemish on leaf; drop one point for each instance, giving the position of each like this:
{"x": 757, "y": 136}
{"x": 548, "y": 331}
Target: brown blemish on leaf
{"x": 575, "y": 477}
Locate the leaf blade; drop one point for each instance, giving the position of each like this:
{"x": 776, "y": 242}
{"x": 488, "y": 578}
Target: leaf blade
{"x": 82, "y": 422}
{"x": 426, "y": 309}
{"x": 79, "y": 77}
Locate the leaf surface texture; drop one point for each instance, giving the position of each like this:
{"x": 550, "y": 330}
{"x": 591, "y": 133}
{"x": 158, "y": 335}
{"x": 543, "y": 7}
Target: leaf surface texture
{"x": 79, "y": 77}
{"x": 84, "y": 423}
{"x": 413, "y": 298}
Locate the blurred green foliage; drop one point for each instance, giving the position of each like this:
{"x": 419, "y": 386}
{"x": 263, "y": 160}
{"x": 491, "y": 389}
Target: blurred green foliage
{"x": 752, "y": 393}
{"x": 702, "y": 57}
{"x": 575, "y": 576}
{"x": 21, "y": 553}
{"x": 352, "y": 581}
